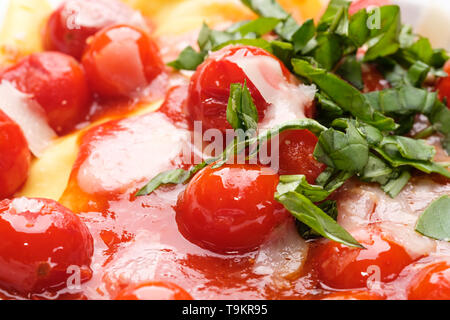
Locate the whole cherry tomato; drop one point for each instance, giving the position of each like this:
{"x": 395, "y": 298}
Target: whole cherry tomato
{"x": 69, "y": 27}
{"x": 14, "y": 156}
{"x": 42, "y": 245}
{"x": 231, "y": 208}
{"x": 120, "y": 61}
{"x": 209, "y": 89}
{"x": 342, "y": 267}
{"x": 58, "y": 83}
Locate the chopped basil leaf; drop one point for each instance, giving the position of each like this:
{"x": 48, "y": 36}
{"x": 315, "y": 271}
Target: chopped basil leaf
{"x": 267, "y": 8}
{"x": 299, "y": 184}
{"x": 260, "y": 26}
{"x": 328, "y": 50}
{"x": 394, "y": 186}
{"x": 260, "y": 43}
{"x": 332, "y": 179}
{"x": 334, "y": 15}
{"x": 435, "y": 221}
{"x": 408, "y": 148}
{"x": 329, "y": 207}
{"x": 241, "y": 111}
{"x": 189, "y": 59}
{"x": 417, "y": 73}
{"x": 304, "y": 210}
{"x": 303, "y": 35}
{"x": 347, "y": 151}
{"x": 176, "y": 176}
{"x": 343, "y": 94}
{"x": 358, "y": 31}
{"x": 384, "y": 39}
{"x": 350, "y": 70}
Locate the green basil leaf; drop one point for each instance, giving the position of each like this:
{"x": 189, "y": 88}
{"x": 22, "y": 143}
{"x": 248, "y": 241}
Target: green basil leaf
{"x": 329, "y": 207}
{"x": 259, "y": 26}
{"x": 417, "y": 73}
{"x": 408, "y": 148}
{"x": 260, "y": 43}
{"x": 384, "y": 39}
{"x": 176, "y": 176}
{"x": 267, "y": 8}
{"x": 394, "y": 186}
{"x": 334, "y": 16}
{"x": 435, "y": 221}
{"x": 332, "y": 179}
{"x": 303, "y": 35}
{"x": 189, "y": 59}
{"x": 343, "y": 94}
{"x": 347, "y": 151}
{"x": 350, "y": 70}
{"x": 358, "y": 31}
{"x": 395, "y": 159}
{"x": 377, "y": 170}
{"x": 328, "y": 50}
{"x": 423, "y": 51}
{"x": 307, "y": 212}
{"x": 408, "y": 101}
{"x": 299, "y": 184}
{"x": 241, "y": 111}
{"x": 283, "y": 51}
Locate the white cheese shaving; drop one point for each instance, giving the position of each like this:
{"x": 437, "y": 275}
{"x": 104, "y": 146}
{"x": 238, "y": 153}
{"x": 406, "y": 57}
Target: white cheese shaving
{"x": 29, "y": 115}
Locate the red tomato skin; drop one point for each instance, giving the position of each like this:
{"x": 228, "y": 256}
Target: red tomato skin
{"x": 342, "y": 267}
{"x": 156, "y": 290}
{"x": 70, "y": 26}
{"x": 58, "y": 83}
{"x": 357, "y": 5}
{"x": 443, "y": 86}
{"x": 104, "y": 58}
{"x": 209, "y": 88}
{"x": 373, "y": 79}
{"x": 40, "y": 240}
{"x": 296, "y": 154}
{"x": 14, "y": 157}
{"x": 230, "y": 209}
{"x": 431, "y": 283}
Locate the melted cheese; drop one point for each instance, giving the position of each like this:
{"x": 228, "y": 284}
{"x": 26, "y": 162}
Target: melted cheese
{"x": 287, "y": 101}
{"x": 29, "y": 115}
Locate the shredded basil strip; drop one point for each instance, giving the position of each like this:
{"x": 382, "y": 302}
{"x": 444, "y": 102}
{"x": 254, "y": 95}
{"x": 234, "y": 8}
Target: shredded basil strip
{"x": 343, "y": 94}
{"x": 304, "y": 210}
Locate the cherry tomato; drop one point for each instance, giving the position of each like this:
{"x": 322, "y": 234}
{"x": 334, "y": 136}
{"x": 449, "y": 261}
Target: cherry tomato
{"x": 14, "y": 156}
{"x": 354, "y": 295}
{"x": 443, "y": 86}
{"x": 121, "y": 60}
{"x": 43, "y": 243}
{"x": 58, "y": 83}
{"x": 373, "y": 79}
{"x": 154, "y": 291}
{"x": 431, "y": 283}
{"x": 363, "y": 4}
{"x": 231, "y": 208}
{"x": 296, "y": 154}
{"x": 209, "y": 89}
{"x": 343, "y": 267}
{"x": 75, "y": 21}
